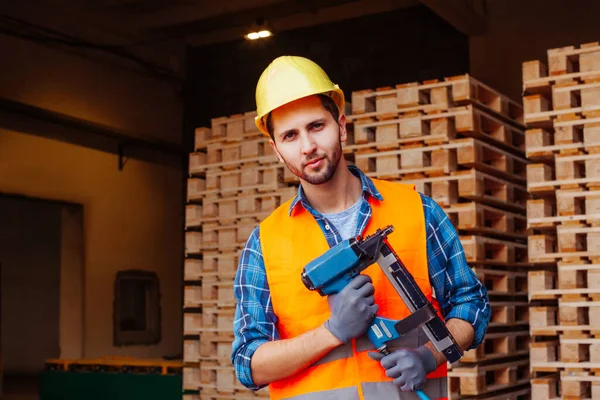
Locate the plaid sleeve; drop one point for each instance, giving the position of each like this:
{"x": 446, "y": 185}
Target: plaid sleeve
{"x": 254, "y": 320}
{"x": 457, "y": 288}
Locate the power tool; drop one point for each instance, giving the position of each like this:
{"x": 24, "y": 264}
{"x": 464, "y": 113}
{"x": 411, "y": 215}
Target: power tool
{"x": 331, "y": 272}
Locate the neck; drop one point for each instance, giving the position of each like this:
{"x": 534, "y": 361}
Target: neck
{"x": 343, "y": 190}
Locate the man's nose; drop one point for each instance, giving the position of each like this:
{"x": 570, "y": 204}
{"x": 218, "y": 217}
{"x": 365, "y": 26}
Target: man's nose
{"x": 308, "y": 144}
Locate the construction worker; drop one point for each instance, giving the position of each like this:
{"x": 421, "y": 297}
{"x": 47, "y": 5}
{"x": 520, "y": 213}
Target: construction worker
{"x": 310, "y": 347}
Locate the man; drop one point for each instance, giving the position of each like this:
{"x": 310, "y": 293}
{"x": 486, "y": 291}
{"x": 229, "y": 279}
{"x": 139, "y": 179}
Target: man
{"x": 303, "y": 345}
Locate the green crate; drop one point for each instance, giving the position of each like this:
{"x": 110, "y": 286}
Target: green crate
{"x": 67, "y": 385}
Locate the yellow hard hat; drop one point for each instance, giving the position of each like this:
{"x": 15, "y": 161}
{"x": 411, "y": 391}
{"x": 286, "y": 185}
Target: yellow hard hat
{"x": 290, "y": 78}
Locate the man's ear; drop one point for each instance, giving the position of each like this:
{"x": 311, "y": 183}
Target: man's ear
{"x": 343, "y": 130}
{"x": 274, "y": 147}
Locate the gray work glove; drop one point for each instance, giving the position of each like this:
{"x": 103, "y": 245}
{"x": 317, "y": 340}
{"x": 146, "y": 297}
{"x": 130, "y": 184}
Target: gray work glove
{"x": 408, "y": 367}
{"x": 352, "y": 309}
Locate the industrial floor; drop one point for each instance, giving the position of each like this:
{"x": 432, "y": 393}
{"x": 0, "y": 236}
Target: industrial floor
{"x": 20, "y": 388}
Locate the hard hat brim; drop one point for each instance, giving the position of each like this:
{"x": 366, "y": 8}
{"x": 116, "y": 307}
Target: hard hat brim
{"x": 336, "y": 94}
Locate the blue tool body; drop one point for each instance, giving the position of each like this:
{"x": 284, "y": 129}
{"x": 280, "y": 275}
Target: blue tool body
{"x": 331, "y": 272}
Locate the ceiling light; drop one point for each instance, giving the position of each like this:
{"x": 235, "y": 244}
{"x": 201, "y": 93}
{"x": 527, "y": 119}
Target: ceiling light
{"x": 258, "y": 35}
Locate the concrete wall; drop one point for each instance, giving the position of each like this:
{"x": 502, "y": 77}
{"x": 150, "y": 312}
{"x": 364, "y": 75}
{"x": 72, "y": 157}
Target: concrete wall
{"x": 522, "y": 30}
{"x": 30, "y": 256}
{"x": 131, "y": 218}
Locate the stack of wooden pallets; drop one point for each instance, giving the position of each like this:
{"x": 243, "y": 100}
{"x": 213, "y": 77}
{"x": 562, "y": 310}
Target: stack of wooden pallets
{"x": 462, "y": 143}
{"x": 235, "y": 181}
{"x": 562, "y": 112}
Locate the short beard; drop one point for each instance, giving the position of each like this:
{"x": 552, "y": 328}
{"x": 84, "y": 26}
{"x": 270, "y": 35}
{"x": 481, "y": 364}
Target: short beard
{"x": 327, "y": 170}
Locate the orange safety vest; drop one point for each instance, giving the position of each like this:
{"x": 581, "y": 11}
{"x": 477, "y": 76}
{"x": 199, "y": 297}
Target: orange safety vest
{"x": 289, "y": 242}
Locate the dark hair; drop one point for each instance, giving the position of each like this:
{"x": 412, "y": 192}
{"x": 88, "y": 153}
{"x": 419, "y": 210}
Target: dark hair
{"x": 328, "y": 105}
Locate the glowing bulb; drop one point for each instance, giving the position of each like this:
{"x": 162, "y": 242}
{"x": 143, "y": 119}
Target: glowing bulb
{"x": 253, "y": 35}
{"x": 264, "y": 34}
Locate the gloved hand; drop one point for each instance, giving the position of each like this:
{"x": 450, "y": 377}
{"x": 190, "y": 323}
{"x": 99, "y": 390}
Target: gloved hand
{"x": 352, "y": 309}
{"x": 408, "y": 367}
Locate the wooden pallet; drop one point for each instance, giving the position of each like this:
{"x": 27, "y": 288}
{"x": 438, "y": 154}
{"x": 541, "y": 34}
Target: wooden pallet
{"x": 196, "y": 187}
{"x": 508, "y": 314}
{"x": 482, "y": 250}
{"x": 191, "y": 349}
{"x": 191, "y": 377}
{"x": 518, "y": 392}
{"x": 551, "y": 355}
{"x": 499, "y": 345}
{"x": 569, "y": 385}
{"x": 210, "y": 319}
{"x": 209, "y": 393}
{"x": 117, "y": 364}
{"x": 217, "y": 320}
{"x": 437, "y": 128}
{"x": 539, "y": 112}
{"x": 573, "y": 278}
{"x": 220, "y": 237}
{"x": 475, "y": 186}
{"x": 503, "y": 282}
{"x": 211, "y": 292}
{"x": 432, "y": 96}
{"x": 211, "y": 265}
{"x": 569, "y": 172}
{"x": 232, "y": 128}
{"x": 483, "y": 379}
{"x": 246, "y": 179}
{"x": 571, "y": 242}
{"x": 231, "y": 208}
{"x": 569, "y": 318}
{"x": 572, "y": 206}
{"x": 422, "y": 161}
{"x": 220, "y": 263}
{"x": 477, "y": 218}
{"x": 192, "y": 323}
{"x": 219, "y": 377}
{"x": 564, "y": 64}
{"x": 232, "y": 156}
{"x": 216, "y": 346}
{"x": 569, "y": 137}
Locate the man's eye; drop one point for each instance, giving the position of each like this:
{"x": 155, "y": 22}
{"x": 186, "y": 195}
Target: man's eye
{"x": 289, "y": 135}
{"x": 318, "y": 125}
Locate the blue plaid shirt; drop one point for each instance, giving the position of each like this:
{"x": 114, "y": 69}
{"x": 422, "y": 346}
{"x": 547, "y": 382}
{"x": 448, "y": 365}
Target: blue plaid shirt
{"x": 459, "y": 292}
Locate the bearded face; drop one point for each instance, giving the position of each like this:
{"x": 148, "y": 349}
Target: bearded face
{"x": 308, "y": 139}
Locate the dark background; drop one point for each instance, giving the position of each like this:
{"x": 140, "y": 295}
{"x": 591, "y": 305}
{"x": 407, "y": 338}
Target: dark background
{"x": 378, "y": 50}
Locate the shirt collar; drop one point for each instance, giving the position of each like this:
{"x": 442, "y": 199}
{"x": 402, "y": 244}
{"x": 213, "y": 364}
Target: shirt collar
{"x": 368, "y": 188}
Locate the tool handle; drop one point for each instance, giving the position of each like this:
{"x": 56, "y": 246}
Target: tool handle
{"x": 421, "y": 395}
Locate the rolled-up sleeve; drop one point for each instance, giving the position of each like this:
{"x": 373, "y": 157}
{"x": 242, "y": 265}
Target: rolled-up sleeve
{"x": 254, "y": 320}
{"x": 458, "y": 290}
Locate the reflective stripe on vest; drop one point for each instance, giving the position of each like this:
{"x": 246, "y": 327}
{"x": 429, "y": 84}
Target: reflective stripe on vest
{"x": 435, "y": 388}
{"x": 290, "y": 242}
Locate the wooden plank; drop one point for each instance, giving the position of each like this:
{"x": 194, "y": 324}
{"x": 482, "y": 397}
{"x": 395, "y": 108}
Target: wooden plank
{"x": 230, "y": 209}
{"x": 496, "y": 346}
{"x": 481, "y": 219}
{"x": 441, "y": 127}
{"x": 572, "y": 318}
{"x": 433, "y": 96}
{"x": 256, "y": 178}
{"x": 503, "y": 282}
{"x": 472, "y": 185}
{"x": 477, "y": 380}
{"x": 443, "y": 159}
{"x": 484, "y": 250}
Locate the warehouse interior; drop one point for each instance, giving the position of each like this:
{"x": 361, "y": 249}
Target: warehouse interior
{"x": 103, "y": 107}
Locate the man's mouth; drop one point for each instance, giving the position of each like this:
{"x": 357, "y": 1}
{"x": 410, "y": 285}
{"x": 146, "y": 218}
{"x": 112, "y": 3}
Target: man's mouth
{"x": 313, "y": 162}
